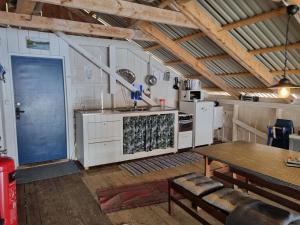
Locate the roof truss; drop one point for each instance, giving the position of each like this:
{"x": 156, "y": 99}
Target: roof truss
{"x": 44, "y": 23}
{"x": 127, "y": 9}
{"x": 25, "y": 6}
{"x": 230, "y": 26}
{"x": 222, "y": 37}
{"x": 227, "y": 56}
{"x": 185, "y": 56}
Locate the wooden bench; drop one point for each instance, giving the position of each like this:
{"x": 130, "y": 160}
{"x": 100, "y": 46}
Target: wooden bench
{"x": 212, "y": 200}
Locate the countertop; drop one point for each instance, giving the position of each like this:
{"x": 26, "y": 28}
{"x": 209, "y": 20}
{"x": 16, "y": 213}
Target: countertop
{"x": 155, "y": 109}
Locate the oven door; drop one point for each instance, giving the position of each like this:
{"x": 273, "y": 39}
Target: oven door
{"x": 185, "y": 125}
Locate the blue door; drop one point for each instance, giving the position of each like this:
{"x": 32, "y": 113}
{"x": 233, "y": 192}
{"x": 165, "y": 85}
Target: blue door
{"x": 40, "y": 109}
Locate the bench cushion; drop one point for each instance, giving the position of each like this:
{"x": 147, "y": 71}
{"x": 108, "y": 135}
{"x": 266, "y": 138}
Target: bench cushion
{"x": 260, "y": 213}
{"x": 227, "y": 199}
{"x": 197, "y": 183}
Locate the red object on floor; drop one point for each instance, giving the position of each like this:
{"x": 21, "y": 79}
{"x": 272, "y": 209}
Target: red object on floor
{"x": 132, "y": 196}
{"x": 8, "y": 194}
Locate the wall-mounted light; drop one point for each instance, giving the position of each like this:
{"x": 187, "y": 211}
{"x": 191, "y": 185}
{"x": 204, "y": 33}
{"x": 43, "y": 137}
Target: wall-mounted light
{"x": 284, "y": 86}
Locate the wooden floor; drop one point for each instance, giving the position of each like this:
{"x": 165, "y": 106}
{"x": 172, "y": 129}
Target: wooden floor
{"x": 58, "y": 201}
{"x": 67, "y": 201}
{"x": 155, "y": 214}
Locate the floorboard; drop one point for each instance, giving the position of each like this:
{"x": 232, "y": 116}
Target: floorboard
{"x": 72, "y": 200}
{"x": 58, "y": 201}
{"x": 111, "y": 176}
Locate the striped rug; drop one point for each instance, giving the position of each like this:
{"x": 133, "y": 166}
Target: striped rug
{"x": 161, "y": 162}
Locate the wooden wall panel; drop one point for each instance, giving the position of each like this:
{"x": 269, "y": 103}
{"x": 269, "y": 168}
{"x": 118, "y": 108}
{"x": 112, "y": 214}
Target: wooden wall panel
{"x": 257, "y": 117}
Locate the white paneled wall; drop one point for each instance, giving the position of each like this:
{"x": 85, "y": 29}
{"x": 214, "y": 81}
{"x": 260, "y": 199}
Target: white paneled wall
{"x": 90, "y": 86}
{"x": 86, "y": 86}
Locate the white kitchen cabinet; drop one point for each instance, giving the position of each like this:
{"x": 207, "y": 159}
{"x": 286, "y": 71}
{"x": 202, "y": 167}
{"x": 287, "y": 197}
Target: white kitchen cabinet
{"x": 99, "y": 137}
{"x": 104, "y": 152}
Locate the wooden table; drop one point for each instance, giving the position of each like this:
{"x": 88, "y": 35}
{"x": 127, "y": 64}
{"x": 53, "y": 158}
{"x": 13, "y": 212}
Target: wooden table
{"x": 262, "y": 164}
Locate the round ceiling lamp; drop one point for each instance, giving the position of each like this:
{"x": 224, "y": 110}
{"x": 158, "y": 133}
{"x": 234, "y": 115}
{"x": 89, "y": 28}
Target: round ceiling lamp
{"x": 284, "y": 85}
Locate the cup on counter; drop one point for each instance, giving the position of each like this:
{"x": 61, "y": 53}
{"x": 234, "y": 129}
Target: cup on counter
{"x": 162, "y": 103}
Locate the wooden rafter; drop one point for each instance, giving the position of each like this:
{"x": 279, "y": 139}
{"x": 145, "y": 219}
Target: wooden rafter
{"x": 74, "y": 27}
{"x": 253, "y": 52}
{"x": 224, "y": 39}
{"x": 273, "y": 72}
{"x": 247, "y": 90}
{"x": 254, "y": 19}
{"x": 179, "y": 40}
{"x": 275, "y": 49}
{"x": 185, "y": 56}
{"x": 127, "y": 9}
{"x": 230, "y": 26}
{"x": 25, "y": 6}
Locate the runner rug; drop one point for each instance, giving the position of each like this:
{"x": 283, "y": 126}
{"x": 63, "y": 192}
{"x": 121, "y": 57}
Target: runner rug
{"x": 153, "y": 164}
{"x": 132, "y": 196}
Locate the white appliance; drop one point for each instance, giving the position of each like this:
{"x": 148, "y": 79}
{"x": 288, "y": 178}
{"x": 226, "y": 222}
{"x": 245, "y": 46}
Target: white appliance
{"x": 218, "y": 117}
{"x": 185, "y": 128}
{"x": 191, "y": 95}
{"x": 203, "y": 120}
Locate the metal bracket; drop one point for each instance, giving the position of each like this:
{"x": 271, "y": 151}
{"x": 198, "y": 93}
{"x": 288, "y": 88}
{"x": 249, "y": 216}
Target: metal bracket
{"x": 2, "y": 73}
{"x": 4, "y": 152}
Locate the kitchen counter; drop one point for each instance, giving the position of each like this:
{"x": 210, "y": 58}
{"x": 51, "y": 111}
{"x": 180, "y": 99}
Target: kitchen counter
{"x": 155, "y": 109}
{"x": 105, "y": 136}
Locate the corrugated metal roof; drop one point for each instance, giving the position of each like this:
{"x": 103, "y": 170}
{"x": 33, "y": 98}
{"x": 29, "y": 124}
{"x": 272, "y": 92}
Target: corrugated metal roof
{"x": 263, "y": 34}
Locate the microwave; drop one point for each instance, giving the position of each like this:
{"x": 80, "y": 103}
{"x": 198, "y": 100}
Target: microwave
{"x": 191, "y": 95}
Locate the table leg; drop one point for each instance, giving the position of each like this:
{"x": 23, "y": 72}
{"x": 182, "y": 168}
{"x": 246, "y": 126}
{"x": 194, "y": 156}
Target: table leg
{"x": 234, "y": 176}
{"x": 207, "y": 171}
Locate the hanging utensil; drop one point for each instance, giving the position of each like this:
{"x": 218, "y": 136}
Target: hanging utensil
{"x": 127, "y": 74}
{"x": 150, "y": 79}
{"x": 176, "y": 85}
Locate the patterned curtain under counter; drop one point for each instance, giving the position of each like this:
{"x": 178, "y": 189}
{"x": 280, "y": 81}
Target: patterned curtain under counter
{"x": 146, "y": 133}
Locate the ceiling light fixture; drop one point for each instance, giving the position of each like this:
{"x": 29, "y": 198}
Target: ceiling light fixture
{"x": 284, "y": 86}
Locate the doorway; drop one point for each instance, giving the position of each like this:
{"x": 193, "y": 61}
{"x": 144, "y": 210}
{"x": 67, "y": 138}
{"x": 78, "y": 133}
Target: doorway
{"x": 40, "y": 109}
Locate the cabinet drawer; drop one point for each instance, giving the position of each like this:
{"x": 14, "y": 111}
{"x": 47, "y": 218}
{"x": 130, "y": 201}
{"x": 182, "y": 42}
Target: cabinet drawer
{"x": 104, "y": 152}
{"x": 185, "y": 139}
{"x": 98, "y": 131}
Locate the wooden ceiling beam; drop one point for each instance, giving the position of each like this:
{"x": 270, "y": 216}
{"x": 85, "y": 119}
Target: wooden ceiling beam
{"x": 74, "y": 27}
{"x": 201, "y": 59}
{"x": 127, "y": 9}
{"x": 25, "y": 7}
{"x": 253, "y": 52}
{"x": 254, "y": 19}
{"x": 273, "y": 72}
{"x": 178, "y": 41}
{"x": 185, "y": 56}
{"x": 275, "y": 49}
{"x": 193, "y": 10}
{"x": 288, "y": 72}
{"x": 248, "y": 90}
{"x": 230, "y": 26}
